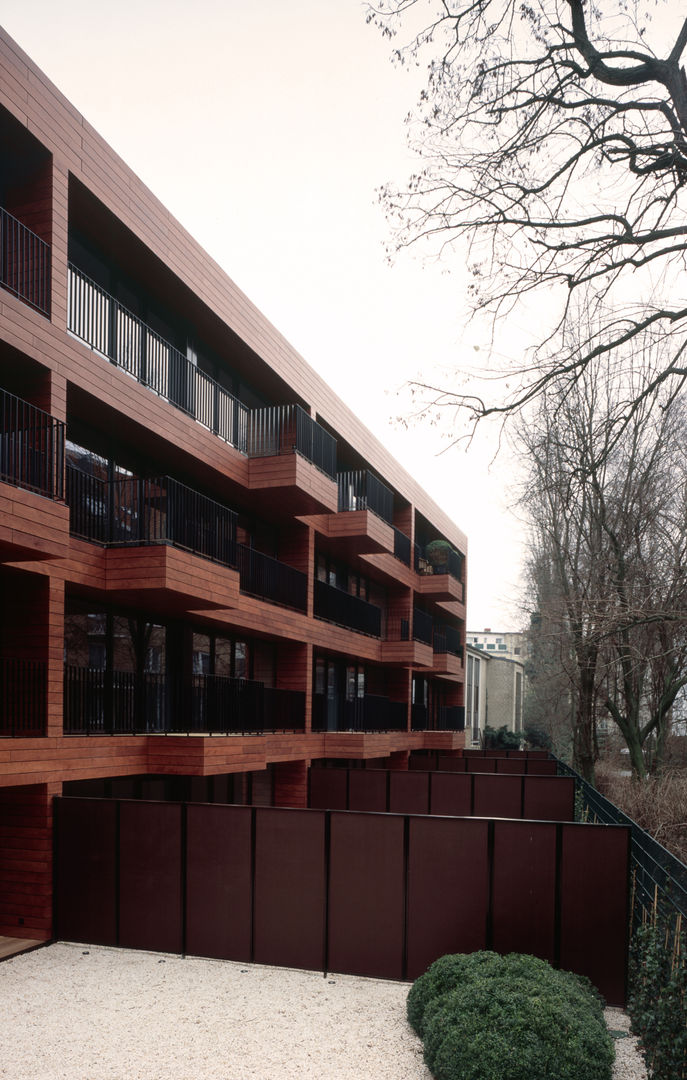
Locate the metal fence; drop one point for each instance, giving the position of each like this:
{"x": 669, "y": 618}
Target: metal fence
{"x": 370, "y": 712}
{"x": 22, "y": 697}
{"x": 452, "y": 565}
{"x": 109, "y": 702}
{"x": 361, "y": 490}
{"x": 659, "y": 879}
{"x": 104, "y": 324}
{"x": 446, "y": 639}
{"x": 422, "y": 626}
{"x": 31, "y": 447}
{"x": 132, "y": 510}
{"x": 287, "y": 429}
{"x": 268, "y": 578}
{"x": 337, "y": 606}
{"x": 24, "y": 263}
{"x": 401, "y": 546}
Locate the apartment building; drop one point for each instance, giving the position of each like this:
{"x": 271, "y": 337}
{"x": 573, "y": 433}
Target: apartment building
{"x": 505, "y": 644}
{"x": 211, "y": 574}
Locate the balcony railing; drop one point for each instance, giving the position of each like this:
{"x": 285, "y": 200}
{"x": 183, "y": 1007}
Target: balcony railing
{"x": 138, "y": 511}
{"x": 104, "y": 324}
{"x": 287, "y": 429}
{"x": 342, "y": 608}
{"x": 31, "y": 447}
{"x": 422, "y": 626}
{"x": 361, "y": 490}
{"x": 22, "y": 698}
{"x": 443, "y": 718}
{"x": 268, "y": 578}
{"x": 24, "y": 263}
{"x": 401, "y": 546}
{"x": 126, "y": 703}
{"x": 372, "y": 712}
{"x": 446, "y": 639}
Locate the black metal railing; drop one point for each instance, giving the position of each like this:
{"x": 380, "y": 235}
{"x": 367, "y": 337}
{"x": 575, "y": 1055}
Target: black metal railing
{"x": 287, "y": 429}
{"x": 441, "y": 718}
{"x": 401, "y": 546}
{"x": 446, "y": 639}
{"x": 422, "y": 626}
{"x": 128, "y": 703}
{"x": 362, "y": 490}
{"x": 31, "y": 447}
{"x": 132, "y": 510}
{"x": 659, "y": 879}
{"x": 268, "y": 578}
{"x": 337, "y": 606}
{"x": 24, "y": 263}
{"x": 22, "y": 698}
{"x": 371, "y": 712}
{"x": 104, "y": 324}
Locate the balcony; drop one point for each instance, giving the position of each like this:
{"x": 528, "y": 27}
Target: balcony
{"x": 440, "y": 582}
{"x": 448, "y": 651}
{"x": 129, "y": 703}
{"x": 272, "y": 580}
{"x": 361, "y": 490}
{"x": 24, "y": 263}
{"x": 107, "y": 327}
{"x": 22, "y": 698}
{"x": 369, "y": 713}
{"x": 31, "y": 447}
{"x": 337, "y": 606}
{"x": 401, "y": 546}
{"x": 292, "y": 461}
{"x": 409, "y": 650}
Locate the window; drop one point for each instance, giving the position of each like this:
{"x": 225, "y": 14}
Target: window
{"x": 503, "y": 648}
{"x": 491, "y": 646}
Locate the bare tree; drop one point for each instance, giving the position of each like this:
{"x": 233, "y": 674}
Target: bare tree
{"x": 610, "y": 571}
{"x": 553, "y": 138}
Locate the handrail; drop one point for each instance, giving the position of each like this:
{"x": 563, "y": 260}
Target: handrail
{"x": 270, "y": 579}
{"x": 336, "y": 605}
{"x": 98, "y": 319}
{"x": 362, "y": 490}
{"x": 288, "y": 429}
{"x": 24, "y": 263}
{"x": 31, "y": 447}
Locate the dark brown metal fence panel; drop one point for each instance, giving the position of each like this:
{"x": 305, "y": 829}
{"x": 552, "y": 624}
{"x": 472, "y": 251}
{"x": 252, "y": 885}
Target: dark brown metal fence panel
{"x": 328, "y": 789}
{"x": 218, "y": 882}
{"x": 150, "y": 876}
{"x": 448, "y": 890}
{"x": 289, "y": 904}
{"x": 541, "y": 768}
{"x": 546, "y": 799}
{"x": 524, "y": 888}
{"x": 408, "y": 793}
{"x": 594, "y": 905}
{"x": 497, "y": 796}
{"x": 366, "y": 895}
{"x": 451, "y": 764}
{"x": 367, "y": 790}
{"x": 85, "y": 871}
{"x": 480, "y": 765}
{"x": 511, "y": 766}
{"x": 451, "y": 794}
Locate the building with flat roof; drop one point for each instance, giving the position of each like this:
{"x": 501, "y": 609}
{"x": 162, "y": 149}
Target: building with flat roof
{"x": 211, "y": 574}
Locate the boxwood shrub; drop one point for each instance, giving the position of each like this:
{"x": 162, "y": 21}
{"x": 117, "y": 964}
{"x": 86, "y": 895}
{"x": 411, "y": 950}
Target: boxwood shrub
{"x": 486, "y": 1017}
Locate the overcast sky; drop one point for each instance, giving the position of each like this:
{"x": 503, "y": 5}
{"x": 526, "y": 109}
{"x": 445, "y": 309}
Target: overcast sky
{"x": 266, "y": 130}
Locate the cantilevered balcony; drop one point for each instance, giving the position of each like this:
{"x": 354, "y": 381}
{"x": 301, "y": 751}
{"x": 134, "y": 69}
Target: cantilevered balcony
{"x": 409, "y": 646}
{"x": 361, "y": 490}
{"x": 401, "y": 546}
{"x": 337, "y": 606}
{"x": 107, "y": 327}
{"x": 371, "y": 712}
{"x": 24, "y": 263}
{"x": 31, "y": 473}
{"x": 292, "y": 461}
{"x": 440, "y": 581}
{"x": 362, "y": 523}
{"x": 22, "y": 697}
{"x": 128, "y": 703}
{"x": 448, "y": 651}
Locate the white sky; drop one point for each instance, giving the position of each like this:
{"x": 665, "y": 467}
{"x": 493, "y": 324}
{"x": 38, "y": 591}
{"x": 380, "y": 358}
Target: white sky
{"x": 266, "y": 129}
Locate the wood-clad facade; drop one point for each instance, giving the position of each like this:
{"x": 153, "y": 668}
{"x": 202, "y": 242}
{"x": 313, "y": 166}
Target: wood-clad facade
{"x": 208, "y": 566}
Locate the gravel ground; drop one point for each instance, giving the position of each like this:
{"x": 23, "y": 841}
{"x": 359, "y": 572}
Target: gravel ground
{"x": 76, "y": 1012}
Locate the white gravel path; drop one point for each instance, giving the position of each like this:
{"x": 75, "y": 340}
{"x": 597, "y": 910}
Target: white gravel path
{"x": 84, "y": 1012}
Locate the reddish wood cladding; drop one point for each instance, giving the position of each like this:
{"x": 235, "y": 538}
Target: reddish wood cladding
{"x": 26, "y": 860}
{"x": 306, "y": 488}
{"x": 31, "y": 526}
{"x": 35, "y": 102}
{"x": 354, "y": 532}
{"x": 439, "y": 587}
{"x": 189, "y": 580}
{"x": 447, "y": 664}
{"x": 291, "y": 784}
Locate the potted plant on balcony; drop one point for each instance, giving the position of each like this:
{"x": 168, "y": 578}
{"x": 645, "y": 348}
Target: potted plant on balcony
{"x": 437, "y": 554}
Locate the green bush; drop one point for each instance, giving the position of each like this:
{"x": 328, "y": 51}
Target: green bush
{"x": 501, "y": 738}
{"x": 658, "y": 998}
{"x": 486, "y": 1017}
